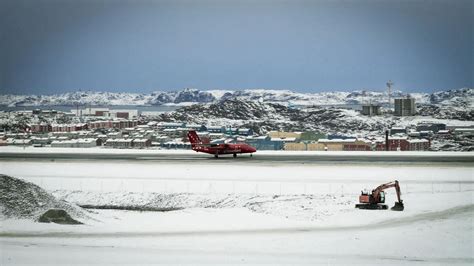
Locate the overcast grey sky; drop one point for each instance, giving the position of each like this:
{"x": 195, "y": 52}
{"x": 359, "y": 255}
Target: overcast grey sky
{"x": 50, "y": 46}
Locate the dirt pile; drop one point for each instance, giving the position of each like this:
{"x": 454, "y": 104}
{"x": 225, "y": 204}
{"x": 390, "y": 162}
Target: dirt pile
{"x": 21, "y": 199}
{"x": 57, "y": 216}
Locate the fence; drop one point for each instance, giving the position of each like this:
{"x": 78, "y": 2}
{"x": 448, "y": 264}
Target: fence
{"x": 238, "y": 187}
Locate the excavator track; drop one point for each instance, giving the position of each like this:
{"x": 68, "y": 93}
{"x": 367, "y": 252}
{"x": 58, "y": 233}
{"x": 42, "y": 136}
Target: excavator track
{"x": 371, "y": 206}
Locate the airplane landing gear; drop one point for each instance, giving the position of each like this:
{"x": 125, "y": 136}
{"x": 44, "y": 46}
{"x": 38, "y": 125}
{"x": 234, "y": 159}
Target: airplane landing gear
{"x": 216, "y": 156}
{"x": 251, "y": 155}
{"x": 235, "y": 155}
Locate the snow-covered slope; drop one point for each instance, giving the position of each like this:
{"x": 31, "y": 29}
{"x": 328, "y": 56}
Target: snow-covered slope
{"x": 285, "y": 97}
{"x": 21, "y": 199}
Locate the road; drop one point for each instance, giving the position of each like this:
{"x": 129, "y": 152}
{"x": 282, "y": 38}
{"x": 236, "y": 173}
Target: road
{"x": 259, "y": 157}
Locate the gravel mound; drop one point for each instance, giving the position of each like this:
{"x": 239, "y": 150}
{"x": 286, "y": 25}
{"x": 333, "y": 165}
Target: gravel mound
{"x": 21, "y": 199}
{"x": 57, "y": 216}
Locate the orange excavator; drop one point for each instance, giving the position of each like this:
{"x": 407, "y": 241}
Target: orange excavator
{"x": 375, "y": 200}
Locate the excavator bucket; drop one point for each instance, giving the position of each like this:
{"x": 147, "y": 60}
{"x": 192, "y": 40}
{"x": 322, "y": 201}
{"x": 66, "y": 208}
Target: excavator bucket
{"x": 398, "y": 206}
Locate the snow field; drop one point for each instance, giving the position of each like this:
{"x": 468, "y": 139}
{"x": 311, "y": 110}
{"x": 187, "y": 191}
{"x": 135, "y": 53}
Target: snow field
{"x": 312, "y": 219}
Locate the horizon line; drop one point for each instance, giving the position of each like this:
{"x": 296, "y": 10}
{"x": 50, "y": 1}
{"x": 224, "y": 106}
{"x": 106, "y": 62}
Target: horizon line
{"x": 233, "y": 90}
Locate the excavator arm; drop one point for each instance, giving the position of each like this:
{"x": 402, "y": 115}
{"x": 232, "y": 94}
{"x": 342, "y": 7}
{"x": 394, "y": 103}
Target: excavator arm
{"x": 376, "y": 192}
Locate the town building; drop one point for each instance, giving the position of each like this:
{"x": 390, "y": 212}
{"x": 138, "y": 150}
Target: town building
{"x": 463, "y": 132}
{"x": 119, "y": 143}
{"x": 216, "y": 129}
{"x": 418, "y": 144}
{"x": 141, "y": 143}
{"x": 265, "y": 143}
{"x": 342, "y": 145}
{"x": 357, "y": 145}
{"x": 167, "y": 125}
{"x": 371, "y": 110}
{"x": 296, "y": 146}
{"x": 19, "y": 142}
{"x": 282, "y": 134}
{"x": 435, "y": 127}
{"x": 404, "y": 144}
{"x": 77, "y": 143}
{"x": 405, "y": 106}
{"x": 398, "y": 130}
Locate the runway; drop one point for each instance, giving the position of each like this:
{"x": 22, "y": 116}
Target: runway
{"x": 308, "y": 157}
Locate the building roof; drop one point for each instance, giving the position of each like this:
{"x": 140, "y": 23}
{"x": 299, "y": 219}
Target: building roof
{"x": 336, "y": 140}
{"x": 284, "y": 139}
{"x": 464, "y": 130}
{"x": 417, "y": 141}
{"x": 140, "y": 140}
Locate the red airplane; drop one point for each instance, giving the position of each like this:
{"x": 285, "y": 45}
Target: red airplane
{"x": 216, "y": 149}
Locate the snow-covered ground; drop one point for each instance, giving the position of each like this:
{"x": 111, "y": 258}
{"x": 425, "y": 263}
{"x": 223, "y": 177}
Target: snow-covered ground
{"x": 274, "y": 213}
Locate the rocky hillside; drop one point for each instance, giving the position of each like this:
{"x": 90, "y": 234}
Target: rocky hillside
{"x": 108, "y": 98}
{"x": 262, "y": 117}
{"x": 462, "y": 97}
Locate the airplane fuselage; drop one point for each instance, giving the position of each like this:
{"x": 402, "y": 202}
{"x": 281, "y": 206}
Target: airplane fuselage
{"x": 225, "y": 148}
{"x": 218, "y": 149}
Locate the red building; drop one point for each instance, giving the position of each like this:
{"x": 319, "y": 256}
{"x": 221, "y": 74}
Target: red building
{"x": 404, "y": 144}
{"x": 358, "y": 145}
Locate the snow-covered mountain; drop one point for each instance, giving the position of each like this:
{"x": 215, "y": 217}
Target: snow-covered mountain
{"x": 284, "y": 97}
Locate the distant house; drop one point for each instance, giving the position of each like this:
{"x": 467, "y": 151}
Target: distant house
{"x": 283, "y": 134}
{"x": 119, "y": 143}
{"x": 435, "y": 127}
{"x": 141, "y": 143}
{"x": 76, "y": 143}
{"x": 176, "y": 145}
{"x": 19, "y": 142}
{"x": 418, "y": 144}
{"x": 125, "y": 114}
{"x": 166, "y": 125}
{"x": 265, "y": 143}
{"x": 195, "y": 127}
{"x": 342, "y": 145}
{"x": 245, "y": 132}
{"x": 404, "y": 144}
{"x": 398, "y": 130}
{"x": 216, "y": 129}
{"x": 295, "y": 146}
{"x": 463, "y": 132}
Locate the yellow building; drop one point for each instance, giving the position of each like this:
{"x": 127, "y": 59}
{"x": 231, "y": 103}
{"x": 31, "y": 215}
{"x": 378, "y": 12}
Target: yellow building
{"x": 293, "y": 146}
{"x": 315, "y": 147}
{"x": 330, "y": 145}
{"x": 333, "y": 144}
{"x": 282, "y": 134}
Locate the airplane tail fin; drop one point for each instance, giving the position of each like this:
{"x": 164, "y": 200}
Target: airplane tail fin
{"x": 194, "y": 138}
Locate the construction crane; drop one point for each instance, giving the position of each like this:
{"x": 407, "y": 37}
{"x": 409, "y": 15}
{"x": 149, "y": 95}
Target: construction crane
{"x": 375, "y": 200}
{"x": 389, "y": 88}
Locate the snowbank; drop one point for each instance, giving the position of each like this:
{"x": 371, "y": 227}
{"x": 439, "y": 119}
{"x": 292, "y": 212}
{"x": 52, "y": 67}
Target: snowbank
{"x": 20, "y": 199}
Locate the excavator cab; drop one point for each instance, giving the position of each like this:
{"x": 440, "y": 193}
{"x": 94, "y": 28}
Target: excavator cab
{"x": 382, "y": 196}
